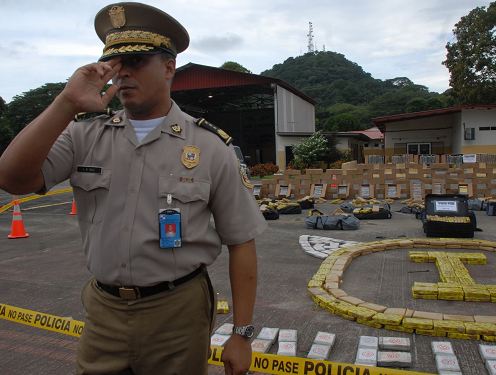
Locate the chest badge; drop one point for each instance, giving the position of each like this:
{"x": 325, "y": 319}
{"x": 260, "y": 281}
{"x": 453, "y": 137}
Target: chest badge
{"x": 190, "y": 157}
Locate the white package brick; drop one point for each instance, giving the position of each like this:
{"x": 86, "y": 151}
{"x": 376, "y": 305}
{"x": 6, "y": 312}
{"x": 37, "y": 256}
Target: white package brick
{"x": 487, "y": 352}
{"x": 449, "y": 373}
{"x": 325, "y": 338}
{"x": 394, "y": 359}
{"x": 225, "y": 329}
{"x": 288, "y": 335}
{"x": 218, "y": 340}
{"x": 442, "y": 347}
{"x": 261, "y": 346}
{"x": 267, "y": 333}
{"x": 287, "y": 348}
{"x": 319, "y": 351}
{"x": 368, "y": 342}
{"x": 447, "y": 362}
{"x": 491, "y": 367}
{"x": 366, "y": 357}
{"x": 394, "y": 343}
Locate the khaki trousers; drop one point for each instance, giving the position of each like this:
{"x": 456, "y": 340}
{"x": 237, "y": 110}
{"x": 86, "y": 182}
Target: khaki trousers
{"x": 164, "y": 334}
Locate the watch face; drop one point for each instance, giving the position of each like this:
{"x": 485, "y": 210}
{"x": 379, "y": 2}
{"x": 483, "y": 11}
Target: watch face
{"x": 249, "y": 331}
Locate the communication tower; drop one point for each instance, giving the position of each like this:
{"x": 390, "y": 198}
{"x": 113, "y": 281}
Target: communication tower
{"x": 310, "y": 38}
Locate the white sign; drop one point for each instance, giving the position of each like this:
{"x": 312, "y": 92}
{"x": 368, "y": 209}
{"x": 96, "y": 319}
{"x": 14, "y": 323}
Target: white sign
{"x": 256, "y": 190}
{"x": 365, "y": 191}
{"x": 317, "y": 191}
{"x": 469, "y": 158}
{"x": 284, "y": 190}
{"x": 447, "y": 206}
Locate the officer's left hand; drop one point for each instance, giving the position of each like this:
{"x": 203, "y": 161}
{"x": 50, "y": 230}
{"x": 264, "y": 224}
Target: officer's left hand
{"x": 236, "y": 355}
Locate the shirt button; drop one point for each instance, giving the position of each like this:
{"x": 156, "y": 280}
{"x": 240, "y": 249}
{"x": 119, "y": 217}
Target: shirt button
{"x": 125, "y": 229}
{"x": 123, "y": 265}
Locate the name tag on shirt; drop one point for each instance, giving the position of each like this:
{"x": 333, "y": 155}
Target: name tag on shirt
{"x": 89, "y": 169}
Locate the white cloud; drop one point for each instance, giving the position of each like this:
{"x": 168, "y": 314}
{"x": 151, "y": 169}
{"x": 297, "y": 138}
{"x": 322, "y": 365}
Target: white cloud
{"x": 389, "y": 38}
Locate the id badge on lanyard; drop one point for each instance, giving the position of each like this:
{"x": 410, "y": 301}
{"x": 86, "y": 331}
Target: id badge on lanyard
{"x": 169, "y": 220}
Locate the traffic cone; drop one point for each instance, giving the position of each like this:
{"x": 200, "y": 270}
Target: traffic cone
{"x": 73, "y": 209}
{"x": 17, "y": 229}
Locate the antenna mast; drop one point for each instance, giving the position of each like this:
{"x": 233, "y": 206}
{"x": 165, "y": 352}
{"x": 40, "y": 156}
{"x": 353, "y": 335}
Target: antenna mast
{"x": 310, "y": 38}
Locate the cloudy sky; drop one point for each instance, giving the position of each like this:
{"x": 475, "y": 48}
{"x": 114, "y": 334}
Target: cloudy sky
{"x": 46, "y": 40}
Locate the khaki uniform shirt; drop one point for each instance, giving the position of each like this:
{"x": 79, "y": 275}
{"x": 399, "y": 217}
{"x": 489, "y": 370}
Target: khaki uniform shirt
{"x": 119, "y": 197}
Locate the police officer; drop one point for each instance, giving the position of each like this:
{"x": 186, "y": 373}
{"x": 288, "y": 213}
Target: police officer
{"x": 147, "y": 181}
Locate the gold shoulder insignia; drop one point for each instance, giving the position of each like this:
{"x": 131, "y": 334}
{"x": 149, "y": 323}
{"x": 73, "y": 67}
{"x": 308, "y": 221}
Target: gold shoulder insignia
{"x": 82, "y": 116}
{"x": 202, "y": 123}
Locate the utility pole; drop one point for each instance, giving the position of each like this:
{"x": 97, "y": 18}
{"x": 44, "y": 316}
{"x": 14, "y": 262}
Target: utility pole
{"x": 310, "y": 38}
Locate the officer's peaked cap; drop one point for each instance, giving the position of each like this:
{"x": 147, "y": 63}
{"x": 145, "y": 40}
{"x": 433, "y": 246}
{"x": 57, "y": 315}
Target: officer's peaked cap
{"x": 131, "y": 28}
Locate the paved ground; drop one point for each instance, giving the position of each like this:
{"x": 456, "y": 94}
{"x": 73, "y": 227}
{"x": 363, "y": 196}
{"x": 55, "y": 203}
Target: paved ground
{"x": 46, "y": 271}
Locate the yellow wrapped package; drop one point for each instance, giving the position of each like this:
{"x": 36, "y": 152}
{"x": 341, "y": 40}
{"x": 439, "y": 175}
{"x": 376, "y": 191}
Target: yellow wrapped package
{"x": 369, "y": 323}
{"x": 430, "y": 332}
{"x": 417, "y": 323}
{"x": 450, "y": 294}
{"x": 489, "y": 338}
{"x": 449, "y": 326}
{"x": 399, "y": 329}
{"x": 463, "y": 336}
{"x": 480, "y": 328}
{"x": 476, "y": 293}
{"x": 361, "y": 312}
{"x": 388, "y": 319}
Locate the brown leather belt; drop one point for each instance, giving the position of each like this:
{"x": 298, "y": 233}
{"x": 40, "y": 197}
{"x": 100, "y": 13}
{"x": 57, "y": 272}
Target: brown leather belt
{"x": 136, "y": 292}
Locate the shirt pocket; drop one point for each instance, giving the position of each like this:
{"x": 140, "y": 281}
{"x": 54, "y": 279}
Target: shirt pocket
{"x": 190, "y": 197}
{"x": 91, "y": 192}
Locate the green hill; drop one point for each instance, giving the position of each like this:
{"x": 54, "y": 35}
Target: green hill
{"x": 347, "y": 96}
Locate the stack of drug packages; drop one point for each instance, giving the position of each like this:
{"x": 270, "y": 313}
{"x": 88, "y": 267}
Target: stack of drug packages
{"x": 264, "y": 340}
{"x": 456, "y": 284}
{"x": 322, "y": 346}
{"x": 394, "y": 352}
{"x": 488, "y": 354}
{"x": 446, "y": 360}
{"x": 288, "y": 342}
{"x": 221, "y": 334}
{"x": 367, "y": 351}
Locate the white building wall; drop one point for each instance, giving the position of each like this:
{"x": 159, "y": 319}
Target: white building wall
{"x": 421, "y": 130}
{"x": 293, "y": 114}
{"x": 477, "y": 118}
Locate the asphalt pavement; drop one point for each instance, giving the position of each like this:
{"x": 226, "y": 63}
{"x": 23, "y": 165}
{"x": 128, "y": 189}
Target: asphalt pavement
{"x": 46, "y": 271}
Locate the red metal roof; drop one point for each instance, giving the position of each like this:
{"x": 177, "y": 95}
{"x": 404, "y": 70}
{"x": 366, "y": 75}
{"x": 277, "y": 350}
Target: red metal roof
{"x": 380, "y": 122}
{"x": 372, "y": 133}
{"x": 195, "y": 76}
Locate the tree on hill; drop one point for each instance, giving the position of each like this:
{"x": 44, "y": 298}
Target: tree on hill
{"x": 232, "y": 65}
{"x": 25, "y": 107}
{"x": 3, "y": 105}
{"x": 471, "y": 58}
{"x": 347, "y": 97}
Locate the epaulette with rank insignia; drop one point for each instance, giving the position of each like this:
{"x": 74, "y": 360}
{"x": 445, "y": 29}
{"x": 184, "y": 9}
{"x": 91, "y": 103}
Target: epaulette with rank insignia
{"x": 81, "y": 116}
{"x": 202, "y": 123}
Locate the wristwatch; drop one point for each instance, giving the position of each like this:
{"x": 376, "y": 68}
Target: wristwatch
{"x": 245, "y": 331}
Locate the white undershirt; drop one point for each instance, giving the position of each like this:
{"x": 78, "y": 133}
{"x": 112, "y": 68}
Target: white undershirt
{"x": 143, "y": 127}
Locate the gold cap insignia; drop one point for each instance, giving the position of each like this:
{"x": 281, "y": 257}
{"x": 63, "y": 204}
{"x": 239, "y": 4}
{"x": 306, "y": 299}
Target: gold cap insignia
{"x": 176, "y": 129}
{"x": 244, "y": 177}
{"x": 190, "y": 157}
{"x": 117, "y": 16}
{"x": 116, "y": 120}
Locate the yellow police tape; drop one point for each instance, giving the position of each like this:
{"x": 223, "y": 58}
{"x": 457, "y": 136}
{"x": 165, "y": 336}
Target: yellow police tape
{"x": 264, "y": 363}
{"x": 5, "y": 207}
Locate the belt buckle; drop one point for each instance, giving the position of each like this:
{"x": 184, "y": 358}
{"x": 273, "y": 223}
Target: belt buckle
{"x": 129, "y": 293}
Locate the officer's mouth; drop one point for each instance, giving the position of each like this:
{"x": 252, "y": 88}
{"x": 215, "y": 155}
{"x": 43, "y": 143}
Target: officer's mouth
{"x": 125, "y": 89}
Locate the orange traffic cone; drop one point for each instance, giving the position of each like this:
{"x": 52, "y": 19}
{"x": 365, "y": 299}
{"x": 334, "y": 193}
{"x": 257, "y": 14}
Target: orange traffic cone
{"x": 73, "y": 209}
{"x": 17, "y": 229}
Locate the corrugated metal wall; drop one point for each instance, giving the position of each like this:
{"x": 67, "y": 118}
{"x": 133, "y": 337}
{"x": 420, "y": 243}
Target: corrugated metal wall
{"x": 294, "y": 114}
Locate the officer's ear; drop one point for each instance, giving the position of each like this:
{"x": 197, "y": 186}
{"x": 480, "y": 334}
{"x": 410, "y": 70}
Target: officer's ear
{"x": 170, "y": 65}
